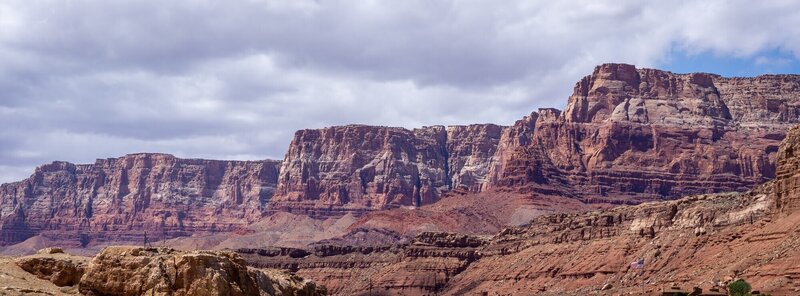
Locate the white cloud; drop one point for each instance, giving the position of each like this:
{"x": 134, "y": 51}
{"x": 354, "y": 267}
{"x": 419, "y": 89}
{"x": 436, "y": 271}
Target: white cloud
{"x": 233, "y": 79}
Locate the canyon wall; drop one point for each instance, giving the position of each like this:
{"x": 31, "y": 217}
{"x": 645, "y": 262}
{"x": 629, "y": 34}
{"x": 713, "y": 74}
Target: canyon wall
{"x": 630, "y": 135}
{"x": 703, "y": 241}
{"x": 787, "y": 183}
{"x": 122, "y": 198}
{"x": 368, "y": 167}
{"x": 626, "y": 136}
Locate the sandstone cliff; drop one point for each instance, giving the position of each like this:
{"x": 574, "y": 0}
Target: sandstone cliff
{"x": 701, "y": 240}
{"x": 367, "y": 167}
{"x": 630, "y": 135}
{"x": 120, "y": 199}
{"x": 626, "y": 136}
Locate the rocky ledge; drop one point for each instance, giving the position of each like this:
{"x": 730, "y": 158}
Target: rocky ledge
{"x": 153, "y": 271}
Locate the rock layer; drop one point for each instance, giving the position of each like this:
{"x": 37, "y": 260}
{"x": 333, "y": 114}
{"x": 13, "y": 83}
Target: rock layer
{"x": 122, "y": 198}
{"x": 421, "y": 267}
{"x": 626, "y": 136}
{"x": 138, "y": 271}
{"x": 694, "y": 241}
{"x": 59, "y": 268}
{"x": 630, "y": 135}
{"x": 787, "y": 184}
{"x": 367, "y": 167}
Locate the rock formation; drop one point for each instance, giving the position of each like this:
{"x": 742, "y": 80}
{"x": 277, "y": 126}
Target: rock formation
{"x": 626, "y": 136}
{"x": 148, "y": 271}
{"x": 422, "y": 267}
{"x": 138, "y": 271}
{"x": 630, "y": 135}
{"x": 787, "y": 184}
{"x": 368, "y": 167}
{"x": 122, "y": 198}
{"x": 698, "y": 241}
{"x": 54, "y": 265}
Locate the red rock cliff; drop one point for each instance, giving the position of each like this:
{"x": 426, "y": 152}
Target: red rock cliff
{"x": 368, "y": 167}
{"x": 787, "y": 183}
{"x": 630, "y": 135}
{"x": 121, "y": 198}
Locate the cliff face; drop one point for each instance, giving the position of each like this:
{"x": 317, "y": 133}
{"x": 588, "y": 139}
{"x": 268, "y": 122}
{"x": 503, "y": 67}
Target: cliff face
{"x": 470, "y": 150}
{"x": 694, "y": 241}
{"x": 630, "y": 135}
{"x": 367, "y": 167}
{"x": 626, "y": 136}
{"x": 121, "y": 198}
{"x": 787, "y": 184}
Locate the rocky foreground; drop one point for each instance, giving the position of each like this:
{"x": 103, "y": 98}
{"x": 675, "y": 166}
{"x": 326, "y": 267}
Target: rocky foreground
{"x": 145, "y": 271}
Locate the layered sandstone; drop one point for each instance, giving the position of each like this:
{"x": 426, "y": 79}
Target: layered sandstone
{"x": 627, "y": 135}
{"x": 421, "y": 267}
{"x": 697, "y": 241}
{"x": 470, "y": 149}
{"x": 368, "y": 167}
{"x": 787, "y": 183}
{"x": 693, "y": 241}
{"x": 123, "y": 198}
{"x": 630, "y": 135}
{"x": 53, "y": 265}
{"x": 139, "y": 271}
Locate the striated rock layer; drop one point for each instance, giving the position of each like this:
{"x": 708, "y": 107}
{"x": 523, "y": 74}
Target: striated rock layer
{"x": 368, "y": 167}
{"x": 630, "y": 135}
{"x": 701, "y": 241}
{"x": 626, "y": 136}
{"x": 787, "y": 184}
{"x": 138, "y": 271}
{"x": 120, "y": 199}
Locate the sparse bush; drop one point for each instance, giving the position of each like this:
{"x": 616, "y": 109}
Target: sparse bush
{"x": 739, "y": 288}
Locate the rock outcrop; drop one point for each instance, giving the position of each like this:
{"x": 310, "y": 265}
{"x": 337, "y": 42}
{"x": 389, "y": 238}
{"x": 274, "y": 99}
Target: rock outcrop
{"x": 139, "y": 271}
{"x": 626, "y": 136}
{"x": 469, "y": 152}
{"x": 695, "y": 241}
{"x": 368, "y": 167}
{"x": 421, "y": 267}
{"x": 57, "y": 267}
{"x": 787, "y": 183}
{"x": 120, "y": 199}
{"x": 630, "y": 135}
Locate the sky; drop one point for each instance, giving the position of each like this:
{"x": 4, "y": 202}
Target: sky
{"x": 234, "y": 79}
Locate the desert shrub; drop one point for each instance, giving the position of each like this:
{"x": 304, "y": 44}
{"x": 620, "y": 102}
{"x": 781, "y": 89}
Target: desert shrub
{"x": 739, "y": 288}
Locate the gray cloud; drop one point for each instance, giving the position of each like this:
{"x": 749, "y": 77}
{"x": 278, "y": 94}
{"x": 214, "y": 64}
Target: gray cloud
{"x": 81, "y": 80}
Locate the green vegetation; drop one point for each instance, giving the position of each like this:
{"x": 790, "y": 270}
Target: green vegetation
{"x": 739, "y": 288}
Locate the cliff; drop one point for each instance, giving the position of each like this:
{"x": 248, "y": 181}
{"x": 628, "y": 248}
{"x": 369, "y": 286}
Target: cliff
{"x": 699, "y": 241}
{"x": 368, "y": 167}
{"x": 626, "y": 136}
{"x": 120, "y": 199}
{"x": 630, "y": 135}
